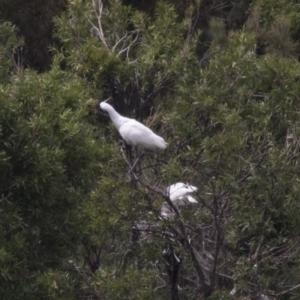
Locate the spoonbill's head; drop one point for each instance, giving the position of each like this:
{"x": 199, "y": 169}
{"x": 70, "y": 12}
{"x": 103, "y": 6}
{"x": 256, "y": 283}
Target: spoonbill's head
{"x": 108, "y": 99}
{"x": 106, "y": 103}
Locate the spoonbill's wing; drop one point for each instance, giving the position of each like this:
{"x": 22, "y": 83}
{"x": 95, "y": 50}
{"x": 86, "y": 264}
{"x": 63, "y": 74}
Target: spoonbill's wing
{"x": 175, "y": 190}
{"x": 179, "y": 190}
{"x": 192, "y": 199}
{"x": 174, "y": 187}
{"x": 137, "y": 134}
{"x": 191, "y": 188}
{"x": 185, "y": 200}
{"x": 133, "y": 132}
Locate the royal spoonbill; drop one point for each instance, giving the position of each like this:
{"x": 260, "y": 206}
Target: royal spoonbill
{"x": 179, "y": 193}
{"x": 133, "y": 132}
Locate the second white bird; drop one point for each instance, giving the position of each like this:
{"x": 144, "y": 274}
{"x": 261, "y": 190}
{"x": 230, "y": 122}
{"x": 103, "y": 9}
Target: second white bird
{"x": 179, "y": 193}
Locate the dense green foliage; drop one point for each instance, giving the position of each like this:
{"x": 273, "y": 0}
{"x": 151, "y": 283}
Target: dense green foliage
{"x": 220, "y": 82}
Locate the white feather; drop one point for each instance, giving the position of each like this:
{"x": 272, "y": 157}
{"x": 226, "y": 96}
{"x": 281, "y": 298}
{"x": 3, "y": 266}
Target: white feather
{"x": 132, "y": 131}
{"x": 179, "y": 193}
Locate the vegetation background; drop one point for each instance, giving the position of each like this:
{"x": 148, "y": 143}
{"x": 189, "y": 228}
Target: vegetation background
{"x": 219, "y": 80}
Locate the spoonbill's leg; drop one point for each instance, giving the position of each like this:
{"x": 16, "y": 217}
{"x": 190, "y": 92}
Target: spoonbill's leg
{"x": 129, "y": 153}
{"x": 139, "y": 156}
{"x": 137, "y": 151}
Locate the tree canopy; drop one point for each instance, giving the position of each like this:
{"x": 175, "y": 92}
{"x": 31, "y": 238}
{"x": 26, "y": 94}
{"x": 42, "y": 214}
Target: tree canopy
{"x": 219, "y": 81}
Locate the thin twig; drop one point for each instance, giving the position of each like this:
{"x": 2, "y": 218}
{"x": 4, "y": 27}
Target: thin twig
{"x": 288, "y": 290}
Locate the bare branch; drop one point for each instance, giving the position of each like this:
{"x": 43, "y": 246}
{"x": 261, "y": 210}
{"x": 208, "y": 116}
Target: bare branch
{"x": 288, "y": 290}
{"x": 124, "y": 49}
{"x": 119, "y": 41}
{"x": 124, "y": 40}
{"x": 261, "y": 240}
{"x": 99, "y": 29}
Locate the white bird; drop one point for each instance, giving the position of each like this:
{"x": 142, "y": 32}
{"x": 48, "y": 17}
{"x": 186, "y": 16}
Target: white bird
{"x": 133, "y": 132}
{"x": 179, "y": 193}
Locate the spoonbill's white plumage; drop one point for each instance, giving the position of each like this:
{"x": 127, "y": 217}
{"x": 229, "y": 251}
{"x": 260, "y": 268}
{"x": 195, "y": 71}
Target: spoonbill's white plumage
{"x": 179, "y": 193}
{"x": 133, "y": 132}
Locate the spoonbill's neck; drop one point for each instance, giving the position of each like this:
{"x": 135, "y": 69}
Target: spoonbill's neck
{"x": 117, "y": 119}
